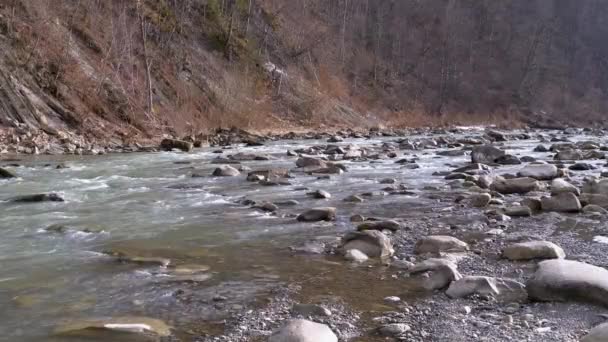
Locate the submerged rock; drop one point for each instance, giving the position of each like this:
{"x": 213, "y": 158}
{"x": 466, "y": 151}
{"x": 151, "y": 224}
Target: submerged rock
{"x": 533, "y": 250}
{"x": 52, "y": 197}
{"x": 380, "y": 225}
{"x": 355, "y": 255}
{"x": 128, "y": 325}
{"x": 301, "y": 330}
{"x": 4, "y": 173}
{"x": 440, "y": 243}
{"x": 567, "y": 280}
{"x": 318, "y": 214}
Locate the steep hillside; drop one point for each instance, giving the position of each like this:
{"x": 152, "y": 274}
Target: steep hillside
{"x": 138, "y": 68}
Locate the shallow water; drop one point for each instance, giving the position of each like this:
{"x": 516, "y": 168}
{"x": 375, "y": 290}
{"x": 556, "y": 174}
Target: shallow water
{"x": 149, "y": 205}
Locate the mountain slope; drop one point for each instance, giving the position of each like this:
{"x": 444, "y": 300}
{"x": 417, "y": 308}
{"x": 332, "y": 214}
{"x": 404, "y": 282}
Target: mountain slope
{"x": 135, "y": 69}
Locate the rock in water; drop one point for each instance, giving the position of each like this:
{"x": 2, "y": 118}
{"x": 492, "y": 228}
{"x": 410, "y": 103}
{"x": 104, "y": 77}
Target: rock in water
{"x": 439, "y": 273}
{"x": 597, "y": 334}
{"x": 226, "y": 171}
{"x": 539, "y": 171}
{"x": 52, "y": 197}
{"x": 487, "y": 286}
{"x": 567, "y": 280}
{"x": 560, "y": 185}
{"x": 486, "y": 154}
{"x": 370, "y": 242}
{"x": 131, "y": 325}
{"x": 515, "y": 185}
{"x": 355, "y": 255}
{"x": 318, "y": 214}
{"x": 533, "y": 250}
{"x": 301, "y": 330}
{"x": 479, "y": 200}
{"x": 380, "y": 225}
{"x": 169, "y": 144}
{"x": 440, "y": 243}
{"x": 4, "y": 173}
{"x": 566, "y": 202}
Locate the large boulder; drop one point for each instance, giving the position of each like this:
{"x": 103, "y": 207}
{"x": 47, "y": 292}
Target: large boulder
{"x": 567, "y": 280}
{"x": 594, "y": 199}
{"x": 597, "y": 334}
{"x": 170, "y": 144}
{"x": 560, "y": 185}
{"x": 596, "y": 186}
{"x": 371, "y": 242}
{"x": 302, "y": 330}
{"x": 226, "y": 171}
{"x": 533, "y": 250}
{"x": 318, "y": 214}
{"x": 486, "y": 154}
{"x": 565, "y": 202}
{"x": 505, "y": 289}
{"x": 539, "y": 171}
{"x": 440, "y": 243}
{"x": 435, "y": 273}
{"x": 521, "y": 185}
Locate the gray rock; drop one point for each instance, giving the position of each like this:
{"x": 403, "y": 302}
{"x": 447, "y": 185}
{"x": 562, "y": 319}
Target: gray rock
{"x": 569, "y": 155}
{"x": 436, "y": 273}
{"x": 581, "y": 167}
{"x": 479, "y": 200}
{"x": 565, "y": 202}
{"x": 370, "y": 242}
{"x": 88, "y": 329}
{"x": 440, "y": 243}
{"x": 320, "y": 194}
{"x": 592, "y": 208}
{"x": 600, "y": 200}
{"x": 518, "y": 211}
{"x": 394, "y": 329}
{"x": 597, "y": 334}
{"x": 318, "y": 214}
{"x": 379, "y": 225}
{"x": 539, "y": 171}
{"x": 567, "y": 280}
{"x": 301, "y": 330}
{"x": 505, "y": 289}
{"x": 309, "y": 310}
{"x": 541, "y": 148}
{"x": 4, "y": 173}
{"x": 515, "y": 185}
{"x": 485, "y": 154}
{"x": 355, "y": 255}
{"x": 560, "y": 185}
{"x": 353, "y": 199}
{"x": 533, "y": 250}
{"x": 508, "y": 159}
{"x": 226, "y": 171}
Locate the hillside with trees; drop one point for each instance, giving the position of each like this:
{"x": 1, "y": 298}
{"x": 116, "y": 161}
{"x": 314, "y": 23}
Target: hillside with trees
{"x": 143, "y": 67}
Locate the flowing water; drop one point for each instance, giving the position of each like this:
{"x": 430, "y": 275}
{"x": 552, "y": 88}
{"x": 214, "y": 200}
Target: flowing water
{"x": 147, "y": 204}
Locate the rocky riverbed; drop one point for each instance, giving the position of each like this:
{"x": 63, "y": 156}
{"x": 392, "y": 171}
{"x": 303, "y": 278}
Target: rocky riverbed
{"x": 428, "y": 235}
